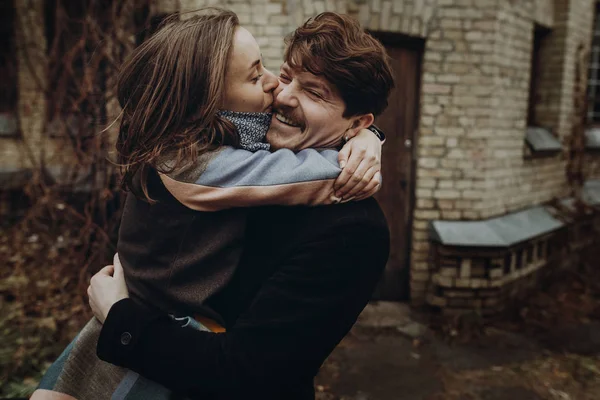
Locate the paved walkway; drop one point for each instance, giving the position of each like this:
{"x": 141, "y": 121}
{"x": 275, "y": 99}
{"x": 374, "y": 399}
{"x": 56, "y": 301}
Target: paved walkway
{"x": 389, "y": 356}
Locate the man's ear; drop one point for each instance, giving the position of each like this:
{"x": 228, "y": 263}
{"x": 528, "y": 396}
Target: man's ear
{"x": 360, "y": 122}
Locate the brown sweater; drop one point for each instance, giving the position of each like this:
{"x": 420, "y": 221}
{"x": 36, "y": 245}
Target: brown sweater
{"x": 175, "y": 257}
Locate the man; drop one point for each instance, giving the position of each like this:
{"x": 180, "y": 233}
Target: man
{"x": 306, "y": 273}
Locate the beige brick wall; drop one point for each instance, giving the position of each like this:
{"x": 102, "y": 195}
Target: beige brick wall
{"x": 473, "y": 100}
{"x": 473, "y": 105}
{"x": 505, "y": 181}
{"x": 22, "y": 152}
{"x": 455, "y": 104}
{"x": 267, "y": 20}
{"x": 543, "y": 12}
{"x": 34, "y": 147}
{"x": 515, "y": 182}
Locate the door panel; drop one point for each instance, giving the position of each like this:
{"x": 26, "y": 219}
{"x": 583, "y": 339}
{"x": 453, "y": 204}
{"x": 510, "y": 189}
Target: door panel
{"x": 399, "y": 122}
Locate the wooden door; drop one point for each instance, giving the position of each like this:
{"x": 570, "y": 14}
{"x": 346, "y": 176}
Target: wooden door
{"x": 396, "y": 198}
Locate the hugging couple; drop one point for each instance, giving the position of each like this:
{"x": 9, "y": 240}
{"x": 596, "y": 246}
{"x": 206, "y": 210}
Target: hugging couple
{"x": 226, "y": 284}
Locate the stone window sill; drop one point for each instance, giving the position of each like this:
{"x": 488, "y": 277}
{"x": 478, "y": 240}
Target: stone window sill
{"x": 541, "y": 142}
{"x": 508, "y": 230}
{"x": 592, "y": 139}
{"x": 505, "y": 231}
{"x": 14, "y": 178}
{"x": 9, "y": 127}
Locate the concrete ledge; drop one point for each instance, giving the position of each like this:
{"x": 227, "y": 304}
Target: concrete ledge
{"x": 541, "y": 140}
{"x": 8, "y": 125}
{"x": 508, "y": 230}
{"x": 591, "y": 192}
{"x": 592, "y": 139}
{"x": 13, "y": 177}
{"x": 504, "y": 231}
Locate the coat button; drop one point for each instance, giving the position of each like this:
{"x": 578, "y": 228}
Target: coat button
{"x": 125, "y": 338}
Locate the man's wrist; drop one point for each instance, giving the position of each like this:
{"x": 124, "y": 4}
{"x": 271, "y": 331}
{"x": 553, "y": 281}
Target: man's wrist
{"x": 106, "y": 310}
{"x": 122, "y": 328}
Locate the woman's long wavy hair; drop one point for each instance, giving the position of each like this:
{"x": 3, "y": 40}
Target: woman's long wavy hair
{"x": 170, "y": 90}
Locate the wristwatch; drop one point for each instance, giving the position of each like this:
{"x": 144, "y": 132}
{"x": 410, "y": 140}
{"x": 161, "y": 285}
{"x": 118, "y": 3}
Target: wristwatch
{"x": 378, "y": 132}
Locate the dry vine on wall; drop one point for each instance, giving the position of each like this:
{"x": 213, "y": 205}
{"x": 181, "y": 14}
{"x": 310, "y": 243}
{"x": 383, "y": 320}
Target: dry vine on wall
{"x": 69, "y": 227}
{"x": 575, "y": 173}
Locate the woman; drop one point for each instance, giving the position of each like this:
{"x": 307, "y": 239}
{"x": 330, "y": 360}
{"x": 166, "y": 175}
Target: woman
{"x": 171, "y": 91}
{"x": 178, "y": 251}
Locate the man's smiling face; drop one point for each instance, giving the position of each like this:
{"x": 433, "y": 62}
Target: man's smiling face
{"x": 307, "y": 112}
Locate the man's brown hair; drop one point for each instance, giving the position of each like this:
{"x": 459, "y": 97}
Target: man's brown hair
{"x": 336, "y": 47}
{"x": 170, "y": 90}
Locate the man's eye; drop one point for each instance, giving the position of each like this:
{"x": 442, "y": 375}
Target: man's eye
{"x": 257, "y": 78}
{"x": 313, "y": 93}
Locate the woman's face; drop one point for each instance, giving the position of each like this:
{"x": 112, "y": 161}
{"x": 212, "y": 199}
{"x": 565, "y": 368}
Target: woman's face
{"x": 248, "y": 85}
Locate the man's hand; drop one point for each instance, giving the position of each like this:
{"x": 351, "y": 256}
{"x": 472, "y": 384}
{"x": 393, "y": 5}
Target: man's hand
{"x": 360, "y": 160}
{"x": 106, "y": 288}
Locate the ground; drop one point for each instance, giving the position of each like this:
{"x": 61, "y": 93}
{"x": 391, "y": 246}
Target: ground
{"x": 547, "y": 349}
{"x": 389, "y": 356}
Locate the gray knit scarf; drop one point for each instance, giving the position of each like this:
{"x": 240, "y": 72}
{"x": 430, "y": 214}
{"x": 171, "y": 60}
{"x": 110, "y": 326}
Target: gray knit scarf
{"x": 252, "y": 128}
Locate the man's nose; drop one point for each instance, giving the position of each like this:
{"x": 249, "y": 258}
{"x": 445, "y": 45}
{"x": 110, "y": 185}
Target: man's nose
{"x": 285, "y": 95}
{"x": 270, "y": 81}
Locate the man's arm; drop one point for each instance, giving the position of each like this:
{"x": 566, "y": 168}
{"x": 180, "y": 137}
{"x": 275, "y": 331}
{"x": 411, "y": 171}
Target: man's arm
{"x": 300, "y": 314}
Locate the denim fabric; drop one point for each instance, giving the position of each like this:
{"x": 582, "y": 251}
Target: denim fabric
{"x": 189, "y": 322}
{"x": 126, "y": 384}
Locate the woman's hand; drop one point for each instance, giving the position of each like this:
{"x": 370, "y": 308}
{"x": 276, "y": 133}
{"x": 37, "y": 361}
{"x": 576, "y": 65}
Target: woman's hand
{"x": 106, "y": 288}
{"x": 360, "y": 160}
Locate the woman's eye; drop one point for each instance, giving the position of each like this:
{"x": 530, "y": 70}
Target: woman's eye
{"x": 284, "y": 78}
{"x": 313, "y": 93}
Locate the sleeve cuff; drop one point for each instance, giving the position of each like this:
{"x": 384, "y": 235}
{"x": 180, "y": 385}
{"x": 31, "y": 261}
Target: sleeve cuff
{"x": 122, "y": 330}
{"x": 378, "y": 132}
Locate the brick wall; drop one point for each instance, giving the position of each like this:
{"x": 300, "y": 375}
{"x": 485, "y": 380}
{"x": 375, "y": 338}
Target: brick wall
{"x": 516, "y": 182}
{"x": 455, "y": 99}
{"x": 17, "y": 153}
{"x": 473, "y": 100}
{"x": 34, "y": 147}
{"x": 268, "y": 20}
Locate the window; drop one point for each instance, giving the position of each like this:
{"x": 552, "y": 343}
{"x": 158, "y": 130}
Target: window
{"x": 539, "y": 36}
{"x": 594, "y": 73}
{"x": 8, "y": 70}
{"x": 539, "y": 139}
